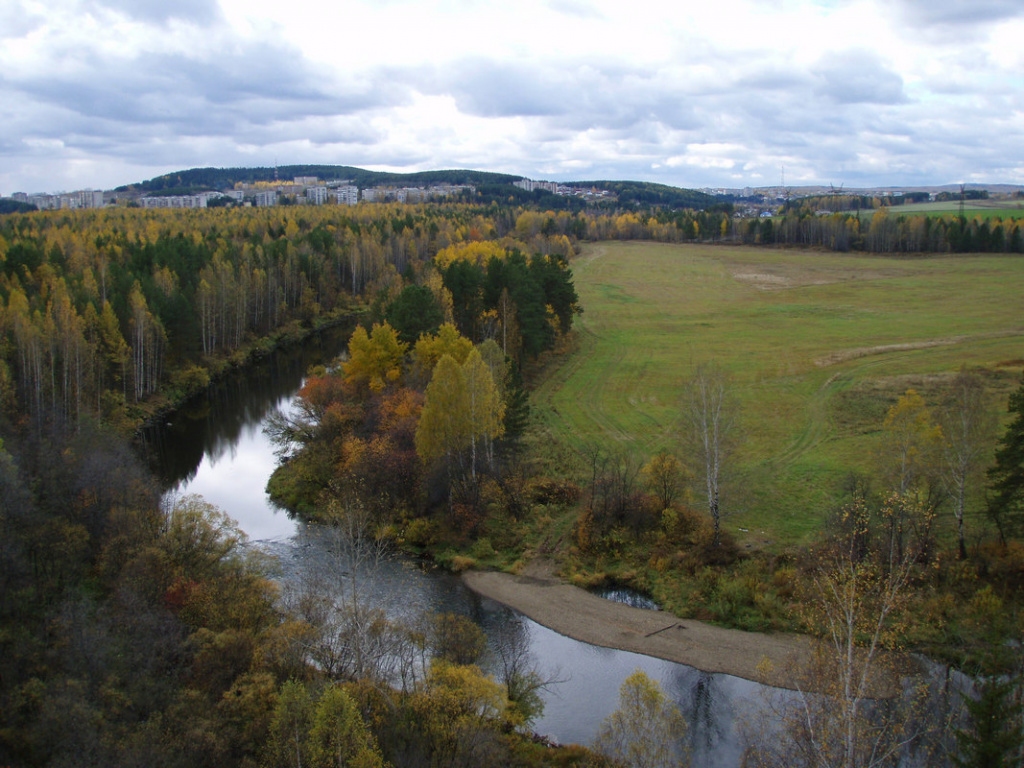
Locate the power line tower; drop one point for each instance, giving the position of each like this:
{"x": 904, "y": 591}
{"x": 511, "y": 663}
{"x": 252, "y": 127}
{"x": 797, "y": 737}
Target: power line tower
{"x": 834, "y": 195}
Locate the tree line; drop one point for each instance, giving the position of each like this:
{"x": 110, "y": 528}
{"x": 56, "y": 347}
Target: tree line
{"x": 100, "y": 310}
{"x": 886, "y": 232}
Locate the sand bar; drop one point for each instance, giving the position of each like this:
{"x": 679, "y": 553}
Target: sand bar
{"x": 583, "y": 616}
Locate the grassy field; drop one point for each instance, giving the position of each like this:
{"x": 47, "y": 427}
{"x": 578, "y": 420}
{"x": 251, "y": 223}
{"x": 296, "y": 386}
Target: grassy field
{"x": 986, "y": 209}
{"x": 818, "y": 345}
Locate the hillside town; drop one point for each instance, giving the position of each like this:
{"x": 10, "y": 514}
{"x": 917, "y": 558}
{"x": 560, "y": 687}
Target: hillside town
{"x": 301, "y": 190}
{"x": 747, "y": 202}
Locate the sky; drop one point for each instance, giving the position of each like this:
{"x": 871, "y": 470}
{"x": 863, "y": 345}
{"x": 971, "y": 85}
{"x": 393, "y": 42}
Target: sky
{"x": 730, "y": 93}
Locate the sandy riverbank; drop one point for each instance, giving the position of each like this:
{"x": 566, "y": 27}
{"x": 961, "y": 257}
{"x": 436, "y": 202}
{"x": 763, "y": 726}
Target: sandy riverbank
{"x": 578, "y": 614}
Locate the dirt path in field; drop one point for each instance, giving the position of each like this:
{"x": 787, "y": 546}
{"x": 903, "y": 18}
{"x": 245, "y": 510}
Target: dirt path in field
{"x": 578, "y": 614}
{"x": 852, "y": 354}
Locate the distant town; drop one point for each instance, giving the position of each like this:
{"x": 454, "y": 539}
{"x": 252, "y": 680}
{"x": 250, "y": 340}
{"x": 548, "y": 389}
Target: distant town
{"x": 301, "y": 190}
{"x": 311, "y": 190}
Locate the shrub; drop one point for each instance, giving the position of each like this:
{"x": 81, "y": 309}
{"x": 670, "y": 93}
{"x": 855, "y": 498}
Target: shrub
{"x": 482, "y": 549}
{"x": 420, "y": 532}
{"x": 549, "y": 491}
{"x": 785, "y": 580}
{"x": 460, "y": 563}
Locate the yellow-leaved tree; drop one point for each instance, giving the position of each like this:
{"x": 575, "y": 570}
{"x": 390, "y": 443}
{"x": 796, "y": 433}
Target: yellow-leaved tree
{"x": 647, "y": 729}
{"x": 443, "y": 428}
{"x": 910, "y": 454}
{"x": 484, "y": 409}
{"x": 375, "y": 359}
{"x": 910, "y": 443}
{"x": 431, "y": 348}
{"x": 462, "y": 409}
{"x": 478, "y": 253}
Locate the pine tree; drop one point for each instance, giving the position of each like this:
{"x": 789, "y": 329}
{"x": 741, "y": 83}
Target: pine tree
{"x": 1006, "y": 503}
{"x": 995, "y": 739}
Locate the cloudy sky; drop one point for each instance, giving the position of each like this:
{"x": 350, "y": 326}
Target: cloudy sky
{"x": 97, "y": 93}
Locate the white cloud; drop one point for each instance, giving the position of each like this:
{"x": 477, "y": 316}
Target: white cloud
{"x": 689, "y": 94}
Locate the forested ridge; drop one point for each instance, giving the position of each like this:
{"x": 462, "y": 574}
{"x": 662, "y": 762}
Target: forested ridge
{"x": 226, "y": 178}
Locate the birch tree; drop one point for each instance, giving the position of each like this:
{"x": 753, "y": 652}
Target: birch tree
{"x": 966, "y": 426}
{"x": 443, "y": 429}
{"x": 709, "y": 418}
{"x": 849, "y": 710}
{"x": 484, "y": 410}
{"x": 646, "y": 730}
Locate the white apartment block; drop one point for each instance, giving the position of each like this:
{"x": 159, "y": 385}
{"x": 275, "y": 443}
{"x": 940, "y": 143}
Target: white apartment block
{"x": 411, "y": 195}
{"x": 176, "y": 201}
{"x": 347, "y": 195}
{"x": 266, "y": 198}
{"x": 90, "y": 198}
{"x": 316, "y": 195}
{"x": 44, "y": 202}
{"x": 85, "y": 198}
{"x": 529, "y": 185}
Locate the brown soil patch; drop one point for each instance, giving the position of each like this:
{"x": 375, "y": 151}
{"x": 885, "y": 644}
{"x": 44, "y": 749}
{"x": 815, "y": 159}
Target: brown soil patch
{"x": 763, "y": 280}
{"x": 777, "y": 277}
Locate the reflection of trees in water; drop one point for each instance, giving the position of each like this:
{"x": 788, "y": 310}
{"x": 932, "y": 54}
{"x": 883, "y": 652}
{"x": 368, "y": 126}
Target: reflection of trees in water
{"x": 708, "y": 711}
{"x": 212, "y": 423}
{"x": 515, "y": 664}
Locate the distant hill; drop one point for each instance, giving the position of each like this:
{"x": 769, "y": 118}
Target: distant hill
{"x": 645, "y": 193}
{"x": 14, "y": 206}
{"x": 491, "y": 187}
{"x": 198, "y": 179}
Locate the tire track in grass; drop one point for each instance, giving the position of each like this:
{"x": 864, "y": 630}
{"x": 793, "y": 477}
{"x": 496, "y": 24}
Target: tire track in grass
{"x": 818, "y": 427}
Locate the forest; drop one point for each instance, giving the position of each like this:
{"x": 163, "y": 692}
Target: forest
{"x": 135, "y": 634}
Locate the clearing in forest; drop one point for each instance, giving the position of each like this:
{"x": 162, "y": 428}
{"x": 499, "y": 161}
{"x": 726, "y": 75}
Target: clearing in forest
{"x": 818, "y": 345}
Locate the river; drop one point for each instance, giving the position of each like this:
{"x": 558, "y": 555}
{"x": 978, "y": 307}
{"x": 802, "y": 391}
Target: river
{"x": 215, "y": 447}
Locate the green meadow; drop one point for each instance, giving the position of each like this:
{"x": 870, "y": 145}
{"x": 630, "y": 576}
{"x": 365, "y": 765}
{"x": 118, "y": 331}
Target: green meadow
{"x": 984, "y": 209}
{"x": 818, "y": 347}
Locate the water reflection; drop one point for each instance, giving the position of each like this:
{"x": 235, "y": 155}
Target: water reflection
{"x": 627, "y": 596}
{"x": 588, "y": 677}
{"x": 214, "y": 445}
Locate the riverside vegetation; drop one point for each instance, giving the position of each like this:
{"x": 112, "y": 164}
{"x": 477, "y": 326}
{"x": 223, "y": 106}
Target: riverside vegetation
{"x": 422, "y": 437}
